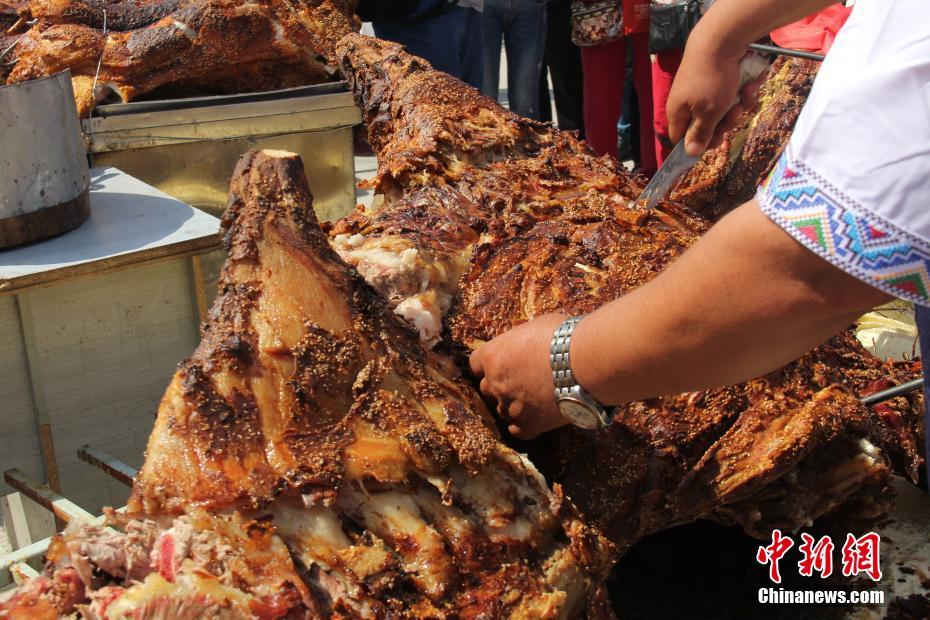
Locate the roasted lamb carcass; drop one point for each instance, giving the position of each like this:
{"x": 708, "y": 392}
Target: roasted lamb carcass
{"x": 312, "y": 458}
{"x": 484, "y": 220}
{"x": 114, "y": 15}
{"x": 218, "y": 46}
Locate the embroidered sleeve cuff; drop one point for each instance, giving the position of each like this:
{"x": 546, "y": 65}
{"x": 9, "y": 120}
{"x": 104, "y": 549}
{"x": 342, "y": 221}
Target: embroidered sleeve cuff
{"x": 844, "y": 233}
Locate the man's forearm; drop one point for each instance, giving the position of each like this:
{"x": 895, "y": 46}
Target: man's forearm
{"x": 746, "y": 299}
{"x": 731, "y": 25}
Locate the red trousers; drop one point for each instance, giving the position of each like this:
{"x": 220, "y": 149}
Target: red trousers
{"x": 663, "y": 74}
{"x": 604, "y": 76}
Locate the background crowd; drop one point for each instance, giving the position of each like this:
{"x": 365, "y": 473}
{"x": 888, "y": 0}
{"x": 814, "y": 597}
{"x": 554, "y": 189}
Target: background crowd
{"x": 605, "y": 83}
{"x": 608, "y": 65}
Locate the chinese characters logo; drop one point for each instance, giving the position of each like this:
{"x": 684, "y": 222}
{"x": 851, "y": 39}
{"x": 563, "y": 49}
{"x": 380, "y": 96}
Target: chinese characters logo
{"x": 858, "y": 555}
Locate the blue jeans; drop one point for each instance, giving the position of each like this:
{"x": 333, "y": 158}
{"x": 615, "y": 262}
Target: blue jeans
{"x": 451, "y": 42}
{"x": 521, "y": 25}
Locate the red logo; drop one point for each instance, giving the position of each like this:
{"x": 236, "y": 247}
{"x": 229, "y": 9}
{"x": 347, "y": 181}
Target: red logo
{"x": 774, "y": 552}
{"x": 861, "y": 555}
{"x": 817, "y": 556}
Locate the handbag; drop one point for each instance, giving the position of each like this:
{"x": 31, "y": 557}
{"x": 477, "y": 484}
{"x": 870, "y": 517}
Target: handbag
{"x": 594, "y": 23}
{"x": 636, "y": 16}
{"x": 670, "y": 23}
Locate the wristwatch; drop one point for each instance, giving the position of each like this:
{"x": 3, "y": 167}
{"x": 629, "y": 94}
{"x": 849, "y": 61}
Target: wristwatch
{"x": 575, "y": 404}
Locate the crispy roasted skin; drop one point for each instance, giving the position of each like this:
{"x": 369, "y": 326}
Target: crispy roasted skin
{"x": 306, "y": 386}
{"x": 728, "y": 175}
{"x": 532, "y": 223}
{"x": 121, "y": 15}
{"x": 311, "y": 422}
{"x": 217, "y": 46}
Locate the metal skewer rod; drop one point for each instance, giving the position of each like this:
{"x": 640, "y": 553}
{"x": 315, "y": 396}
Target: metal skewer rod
{"x": 781, "y": 51}
{"x": 111, "y": 466}
{"x": 892, "y": 392}
{"x": 10, "y": 48}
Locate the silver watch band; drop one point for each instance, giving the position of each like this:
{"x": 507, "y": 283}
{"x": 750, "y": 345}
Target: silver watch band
{"x": 576, "y": 405}
{"x": 559, "y": 357}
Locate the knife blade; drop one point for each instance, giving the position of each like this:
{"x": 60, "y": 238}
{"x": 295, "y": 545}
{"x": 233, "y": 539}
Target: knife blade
{"x": 679, "y": 162}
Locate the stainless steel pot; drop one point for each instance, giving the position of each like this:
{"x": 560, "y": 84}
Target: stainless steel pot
{"x": 44, "y": 180}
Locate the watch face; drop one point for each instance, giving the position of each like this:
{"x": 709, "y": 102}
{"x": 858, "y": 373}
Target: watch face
{"x": 580, "y": 414}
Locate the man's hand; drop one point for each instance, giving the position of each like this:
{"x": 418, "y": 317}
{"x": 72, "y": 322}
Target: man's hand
{"x": 514, "y": 370}
{"x": 701, "y": 103}
{"x": 707, "y": 81}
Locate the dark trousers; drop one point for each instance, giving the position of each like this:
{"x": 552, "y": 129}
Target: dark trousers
{"x": 563, "y": 63}
{"x": 451, "y": 42}
{"x": 520, "y": 25}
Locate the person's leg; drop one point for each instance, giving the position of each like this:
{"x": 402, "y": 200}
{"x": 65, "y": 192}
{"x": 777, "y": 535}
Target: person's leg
{"x": 642, "y": 79}
{"x": 635, "y": 153}
{"x": 564, "y": 61}
{"x": 545, "y": 99}
{"x": 627, "y": 129}
{"x": 492, "y": 37}
{"x": 663, "y": 74}
{"x": 472, "y": 49}
{"x": 434, "y": 39}
{"x": 604, "y": 75}
{"x": 525, "y": 38}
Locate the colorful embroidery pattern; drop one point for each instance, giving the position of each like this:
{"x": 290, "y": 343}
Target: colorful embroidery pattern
{"x": 839, "y": 230}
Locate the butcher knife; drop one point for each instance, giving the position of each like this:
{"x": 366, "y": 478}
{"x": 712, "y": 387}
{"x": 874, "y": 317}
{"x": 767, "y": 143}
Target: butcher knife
{"x": 679, "y": 162}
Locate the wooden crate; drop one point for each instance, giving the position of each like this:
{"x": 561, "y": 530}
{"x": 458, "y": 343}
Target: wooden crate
{"x": 92, "y": 325}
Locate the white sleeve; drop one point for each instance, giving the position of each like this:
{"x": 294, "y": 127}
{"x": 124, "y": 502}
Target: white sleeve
{"x": 854, "y": 182}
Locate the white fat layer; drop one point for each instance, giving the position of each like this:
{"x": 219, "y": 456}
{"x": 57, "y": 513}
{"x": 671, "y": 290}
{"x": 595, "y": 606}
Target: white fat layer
{"x": 315, "y": 536}
{"x": 314, "y": 533}
{"x": 184, "y": 29}
{"x": 394, "y": 516}
{"x": 452, "y": 523}
{"x": 426, "y": 317}
{"x": 870, "y": 451}
{"x": 200, "y": 595}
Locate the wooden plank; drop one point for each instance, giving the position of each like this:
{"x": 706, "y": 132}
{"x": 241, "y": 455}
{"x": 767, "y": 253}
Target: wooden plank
{"x": 64, "y": 509}
{"x": 31, "y": 555}
{"x": 19, "y": 441}
{"x": 130, "y": 222}
{"x": 37, "y": 385}
{"x": 108, "y": 347}
{"x": 105, "y": 269}
{"x": 25, "y": 521}
{"x": 199, "y": 287}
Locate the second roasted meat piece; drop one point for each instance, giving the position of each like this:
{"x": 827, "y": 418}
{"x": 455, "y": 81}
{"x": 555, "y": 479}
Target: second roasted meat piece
{"x": 530, "y": 222}
{"x": 218, "y": 45}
